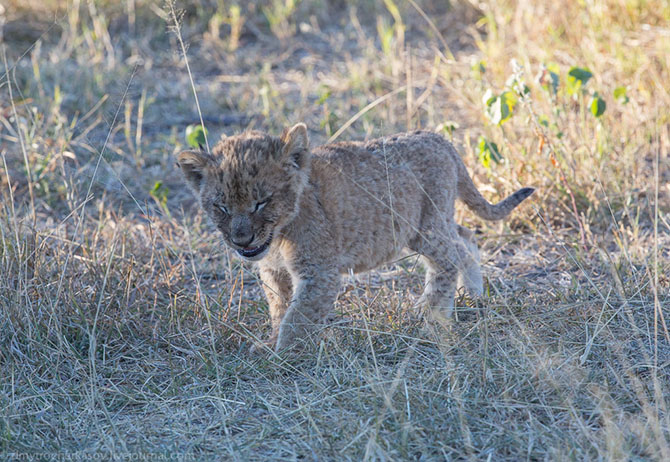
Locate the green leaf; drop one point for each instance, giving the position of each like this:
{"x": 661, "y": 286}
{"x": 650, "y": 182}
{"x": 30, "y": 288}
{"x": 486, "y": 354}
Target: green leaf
{"x": 393, "y": 9}
{"x": 385, "y": 32}
{"x": 597, "y": 105}
{"x": 555, "y": 80}
{"x": 58, "y": 96}
{"x": 195, "y": 136}
{"x": 160, "y": 192}
{"x": 578, "y": 78}
{"x": 620, "y": 95}
{"x": 499, "y": 108}
{"x": 448, "y": 127}
{"x": 488, "y": 97}
{"x": 488, "y": 151}
{"x": 478, "y": 70}
{"x": 580, "y": 74}
{"x": 509, "y": 99}
{"x": 324, "y": 94}
{"x": 549, "y": 78}
{"x": 517, "y": 85}
{"x": 498, "y": 111}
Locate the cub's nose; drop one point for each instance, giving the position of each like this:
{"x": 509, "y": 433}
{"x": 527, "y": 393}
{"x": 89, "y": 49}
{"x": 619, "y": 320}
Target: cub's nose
{"x": 242, "y": 241}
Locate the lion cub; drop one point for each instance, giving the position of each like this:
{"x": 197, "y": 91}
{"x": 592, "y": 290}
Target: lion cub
{"x": 307, "y": 216}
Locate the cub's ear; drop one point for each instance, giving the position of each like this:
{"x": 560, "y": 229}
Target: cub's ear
{"x": 193, "y": 165}
{"x": 296, "y": 145}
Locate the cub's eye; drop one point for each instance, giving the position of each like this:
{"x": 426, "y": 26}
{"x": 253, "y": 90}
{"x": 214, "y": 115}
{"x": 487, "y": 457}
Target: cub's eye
{"x": 261, "y": 204}
{"x": 222, "y": 208}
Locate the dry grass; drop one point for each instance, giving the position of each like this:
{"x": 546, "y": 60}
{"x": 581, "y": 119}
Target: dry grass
{"x": 125, "y": 325}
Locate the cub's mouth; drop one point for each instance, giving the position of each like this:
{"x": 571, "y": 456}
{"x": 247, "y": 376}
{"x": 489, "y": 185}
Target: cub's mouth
{"x": 251, "y": 252}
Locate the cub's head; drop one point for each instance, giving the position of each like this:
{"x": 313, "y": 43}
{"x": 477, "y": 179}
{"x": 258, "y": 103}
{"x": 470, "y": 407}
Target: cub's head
{"x": 250, "y": 185}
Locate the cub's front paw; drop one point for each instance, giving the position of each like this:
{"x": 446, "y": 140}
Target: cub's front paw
{"x": 292, "y": 342}
{"x": 285, "y": 341}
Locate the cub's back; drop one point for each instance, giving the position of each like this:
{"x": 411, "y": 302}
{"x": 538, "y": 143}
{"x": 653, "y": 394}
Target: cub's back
{"x": 374, "y": 193}
{"x": 417, "y": 161}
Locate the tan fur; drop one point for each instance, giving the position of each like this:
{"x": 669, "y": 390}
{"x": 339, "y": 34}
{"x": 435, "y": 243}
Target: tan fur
{"x": 307, "y": 217}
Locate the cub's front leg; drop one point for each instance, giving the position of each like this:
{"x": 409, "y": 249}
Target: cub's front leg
{"x": 314, "y": 293}
{"x": 278, "y": 290}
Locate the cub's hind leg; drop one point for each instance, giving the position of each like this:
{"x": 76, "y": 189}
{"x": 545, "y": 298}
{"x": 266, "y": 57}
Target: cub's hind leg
{"x": 439, "y": 288}
{"x": 446, "y": 254}
{"x": 470, "y": 273}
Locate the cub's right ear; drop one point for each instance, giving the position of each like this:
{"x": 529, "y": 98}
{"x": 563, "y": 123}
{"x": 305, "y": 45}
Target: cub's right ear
{"x": 296, "y": 145}
{"x": 193, "y": 165}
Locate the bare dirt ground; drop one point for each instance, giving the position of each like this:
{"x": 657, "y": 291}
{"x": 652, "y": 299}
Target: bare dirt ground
{"x": 125, "y": 324}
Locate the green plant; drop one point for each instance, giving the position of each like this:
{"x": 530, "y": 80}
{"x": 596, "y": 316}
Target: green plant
{"x": 577, "y": 79}
{"x": 329, "y": 119}
{"x": 499, "y": 108}
{"x": 278, "y": 15}
{"x": 159, "y": 193}
{"x": 448, "y": 128}
{"x": 195, "y": 136}
{"x": 621, "y": 95}
{"x": 597, "y": 105}
{"x": 488, "y": 151}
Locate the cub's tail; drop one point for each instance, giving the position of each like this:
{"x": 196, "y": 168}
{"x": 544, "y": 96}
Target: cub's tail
{"x": 469, "y": 194}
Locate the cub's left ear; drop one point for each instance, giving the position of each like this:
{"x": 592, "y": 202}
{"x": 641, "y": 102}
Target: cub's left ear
{"x": 296, "y": 145}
